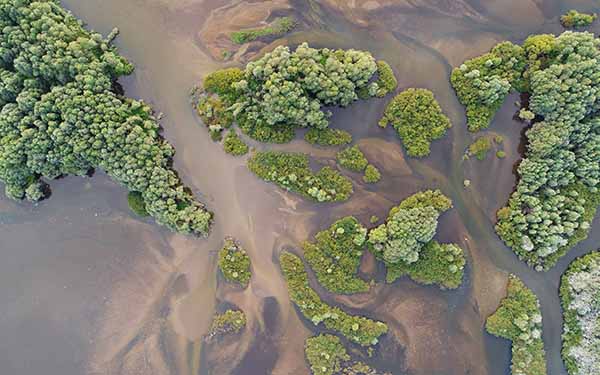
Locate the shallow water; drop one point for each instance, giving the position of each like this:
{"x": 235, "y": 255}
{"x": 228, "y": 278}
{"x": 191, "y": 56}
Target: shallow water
{"x": 90, "y": 289}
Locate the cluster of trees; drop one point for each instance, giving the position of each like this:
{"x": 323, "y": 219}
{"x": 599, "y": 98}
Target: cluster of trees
{"x": 353, "y": 159}
{"x": 335, "y": 256}
{"x": 61, "y": 116}
{"x": 230, "y": 322}
{"x": 480, "y": 148}
{"x": 405, "y": 242}
{"x": 234, "y": 263}
{"x": 579, "y": 293}
{"x": 386, "y": 81}
{"x": 574, "y": 18}
{"x": 519, "y": 319}
{"x": 418, "y": 119}
{"x": 292, "y": 172}
{"x": 284, "y": 90}
{"x": 234, "y": 145}
{"x": 327, "y": 137}
{"x": 358, "y": 329}
{"x": 557, "y": 193}
{"x": 280, "y": 26}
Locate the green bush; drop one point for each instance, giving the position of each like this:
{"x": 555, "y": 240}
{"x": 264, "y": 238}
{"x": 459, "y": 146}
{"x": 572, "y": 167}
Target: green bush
{"x": 519, "y": 319}
{"x": 575, "y": 19}
{"x": 136, "y": 203}
{"x": 231, "y": 321}
{"x": 418, "y": 119}
{"x": 335, "y": 256}
{"x": 500, "y": 154}
{"x": 358, "y": 329}
{"x": 372, "y": 174}
{"x": 234, "y": 263}
{"x": 61, "y": 115}
{"x": 353, "y": 159}
{"x": 279, "y": 27}
{"x": 480, "y": 148}
{"x": 291, "y": 171}
{"x": 234, "y": 145}
{"x": 325, "y": 354}
{"x": 579, "y": 292}
{"x": 386, "y": 81}
{"x": 327, "y": 137}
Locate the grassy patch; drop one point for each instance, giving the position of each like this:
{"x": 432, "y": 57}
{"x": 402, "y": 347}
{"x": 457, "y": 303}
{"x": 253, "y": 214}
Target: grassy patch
{"x": 480, "y": 148}
{"x": 279, "y": 27}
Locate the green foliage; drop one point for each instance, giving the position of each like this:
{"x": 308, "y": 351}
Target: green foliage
{"x": 519, "y": 319}
{"x": 136, "y": 203}
{"x": 575, "y": 19}
{"x": 374, "y": 219}
{"x": 480, "y": 148}
{"x": 335, "y": 256}
{"x": 358, "y": 329}
{"x": 353, "y": 159}
{"x": 36, "y": 192}
{"x": 500, "y": 154}
{"x": 418, "y": 119}
{"x": 61, "y": 116}
{"x": 234, "y": 145}
{"x": 372, "y": 174}
{"x": 483, "y": 83}
{"x": 386, "y": 81}
{"x": 234, "y": 263}
{"x": 221, "y": 82}
{"x": 579, "y": 293}
{"x": 557, "y": 193}
{"x": 292, "y": 172}
{"x": 325, "y": 354}
{"x": 231, "y": 321}
{"x": 327, "y": 137}
{"x": 285, "y": 90}
{"x": 279, "y": 27}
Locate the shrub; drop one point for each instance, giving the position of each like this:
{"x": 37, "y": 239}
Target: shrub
{"x": 292, "y": 172}
{"x": 575, "y": 19}
{"x": 500, "y": 154}
{"x": 136, "y": 203}
{"x": 234, "y": 145}
{"x": 231, "y": 321}
{"x": 519, "y": 319}
{"x": 325, "y": 354}
{"x": 327, "y": 137}
{"x": 234, "y": 263}
{"x": 372, "y": 174}
{"x": 418, "y": 119}
{"x": 480, "y": 148}
{"x": 386, "y": 81}
{"x": 279, "y": 27}
{"x": 353, "y": 159}
{"x": 335, "y": 256}
{"x": 60, "y": 115}
{"x": 358, "y": 329}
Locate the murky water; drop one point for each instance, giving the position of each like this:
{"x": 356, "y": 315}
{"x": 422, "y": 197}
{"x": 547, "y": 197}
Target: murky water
{"x": 89, "y": 289}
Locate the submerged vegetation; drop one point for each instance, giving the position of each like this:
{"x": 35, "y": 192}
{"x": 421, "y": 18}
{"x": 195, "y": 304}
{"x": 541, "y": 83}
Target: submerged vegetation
{"x": 285, "y": 90}
{"x": 575, "y": 19}
{"x": 231, "y": 321}
{"x": 405, "y": 242}
{"x": 519, "y": 320}
{"x": 580, "y": 299}
{"x": 60, "y": 115}
{"x": 335, "y": 256}
{"x": 234, "y": 263}
{"x": 327, "y": 137}
{"x": 292, "y": 172}
{"x": 358, "y": 329}
{"x": 278, "y": 27}
{"x": 418, "y": 119}
{"x": 557, "y": 193}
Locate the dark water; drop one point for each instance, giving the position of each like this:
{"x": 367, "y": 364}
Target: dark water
{"x": 89, "y": 289}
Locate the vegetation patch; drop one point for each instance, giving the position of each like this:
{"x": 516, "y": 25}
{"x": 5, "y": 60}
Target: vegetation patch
{"x": 519, "y": 320}
{"x": 327, "y": 137}
{"x": 580, "y": 299}
{"x": 335, "y": 256}
{"x": 136, "y": 203}
{"x": 575, "y": 19}
{"x": 234, "y": 263}
{"x": 418, "y": 119}
{"x": 372, "y": 174}
{"x": 480, "y": 148}
{"x": 230, "y": 322}
{"x": 234, "y": 145}
{"x": 279, "y": 27}
{"x": 386, "y": 81}
{"x": 353, "y": 159}
{"x": 291, "y": 171}
{"x": 358, "y": 329}
{"x": 60, "y": 115}
{"x": 405, "y": 242}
